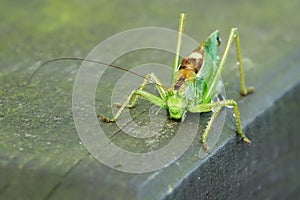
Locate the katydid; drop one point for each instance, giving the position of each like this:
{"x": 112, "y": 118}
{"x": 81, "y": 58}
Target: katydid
{"x": 194, "y": 83}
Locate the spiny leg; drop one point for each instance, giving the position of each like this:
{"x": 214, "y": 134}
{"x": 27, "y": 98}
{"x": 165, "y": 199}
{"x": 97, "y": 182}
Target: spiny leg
{"x": 208, "y": 127}
{"x": 209, "y": 106}
{"x": 139, "y": 92}
{"x": 243, "y": 89}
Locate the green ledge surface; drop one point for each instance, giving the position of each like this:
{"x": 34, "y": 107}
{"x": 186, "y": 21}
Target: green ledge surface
{"x": 41, "y": 154}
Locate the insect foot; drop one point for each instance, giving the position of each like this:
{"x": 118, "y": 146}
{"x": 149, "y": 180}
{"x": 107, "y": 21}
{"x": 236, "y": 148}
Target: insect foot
{"x": 245, "y": 139}
{"x": 106, "y": 120}
{"x": 249, "y": 90}
{"x": 205, "y": 146}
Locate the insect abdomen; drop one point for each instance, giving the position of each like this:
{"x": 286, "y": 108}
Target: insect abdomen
{"x": 190, "y": 66}
{"x": 193, "y": 62}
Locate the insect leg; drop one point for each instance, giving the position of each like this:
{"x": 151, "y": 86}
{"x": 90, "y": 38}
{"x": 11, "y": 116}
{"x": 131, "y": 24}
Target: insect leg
{"x": 243, "y": 89}
{"x": 112, "y": 120}
{"x": 134, "y": 95}
{"x": 182, "y": 18}
{"x": 146, "y": 95}
{"x": 209, "y": 106}
{"x": 208, "y": 127}
{"x": 161, "y": 90}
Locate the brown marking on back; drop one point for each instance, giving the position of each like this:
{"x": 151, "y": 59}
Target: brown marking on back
{"x": 179, "y": 83}
{"x": 199, "y": 49}
{"x": 189, "y": 67}
{"x": 183, "y": 76}
{"x": 191, "y": 62}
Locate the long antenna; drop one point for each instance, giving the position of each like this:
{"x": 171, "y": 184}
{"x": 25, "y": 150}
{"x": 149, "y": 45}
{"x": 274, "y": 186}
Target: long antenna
{"x": 93, "y": 61}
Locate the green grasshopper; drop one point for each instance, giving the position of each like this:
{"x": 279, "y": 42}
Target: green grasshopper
{"x": 194, "y": 83}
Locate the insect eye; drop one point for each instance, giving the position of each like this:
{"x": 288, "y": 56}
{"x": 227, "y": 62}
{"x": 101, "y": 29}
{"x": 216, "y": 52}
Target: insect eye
{"x": 218, "y": 41}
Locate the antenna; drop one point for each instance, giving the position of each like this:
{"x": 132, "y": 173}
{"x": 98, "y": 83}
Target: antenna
{"x": 93, "y": 61}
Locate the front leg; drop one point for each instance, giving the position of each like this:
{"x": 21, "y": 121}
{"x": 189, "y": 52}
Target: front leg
{"x": 134, "y": 95}
{"x": 146, "y": 95}
{"x": 112, "y": 120}
{"x": 159, "y": 87}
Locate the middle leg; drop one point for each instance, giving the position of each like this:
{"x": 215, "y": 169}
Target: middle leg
{"x": 209, "y": 106}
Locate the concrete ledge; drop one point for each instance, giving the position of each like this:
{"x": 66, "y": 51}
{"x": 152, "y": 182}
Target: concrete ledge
{"x": 267, "y": 170}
